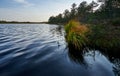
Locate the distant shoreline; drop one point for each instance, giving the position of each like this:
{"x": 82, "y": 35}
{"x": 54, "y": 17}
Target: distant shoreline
{"x": 12, "y": 22}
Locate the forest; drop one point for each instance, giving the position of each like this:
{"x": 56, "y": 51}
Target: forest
{"x": 102, "y": 11}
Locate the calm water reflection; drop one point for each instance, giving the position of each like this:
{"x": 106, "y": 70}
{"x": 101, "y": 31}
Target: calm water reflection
{"x": 41, "y": 50}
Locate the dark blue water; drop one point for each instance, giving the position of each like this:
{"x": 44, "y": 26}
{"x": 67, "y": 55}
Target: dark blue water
{"x": 41, "y": 50}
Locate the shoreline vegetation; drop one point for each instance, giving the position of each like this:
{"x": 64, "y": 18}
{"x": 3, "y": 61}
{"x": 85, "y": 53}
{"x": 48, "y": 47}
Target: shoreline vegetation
{"x": 16, "y": 22}
{"x": 81, "y": 36}
{"x": 89, "y": 28}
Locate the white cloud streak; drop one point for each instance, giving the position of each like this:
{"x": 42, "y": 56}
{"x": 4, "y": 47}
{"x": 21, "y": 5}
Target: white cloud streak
{"x": 25, "y": 3}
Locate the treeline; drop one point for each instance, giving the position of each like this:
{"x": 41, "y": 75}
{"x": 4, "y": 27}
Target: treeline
{"x": 102, "y": 11}
{"x": 2, "y": 22}
{"x": 12, "y": 22}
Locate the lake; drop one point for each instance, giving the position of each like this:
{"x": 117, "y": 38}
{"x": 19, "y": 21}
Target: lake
{"x": 41, "y": 50}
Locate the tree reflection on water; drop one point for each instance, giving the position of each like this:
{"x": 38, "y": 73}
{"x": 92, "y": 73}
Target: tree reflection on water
{"x": 89, "y": 58}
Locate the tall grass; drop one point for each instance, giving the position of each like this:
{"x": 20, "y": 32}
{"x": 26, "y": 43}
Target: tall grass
{"x": 76, "y": 34}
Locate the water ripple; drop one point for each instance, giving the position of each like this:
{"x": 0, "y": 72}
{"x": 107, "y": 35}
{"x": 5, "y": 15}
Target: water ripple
{"x": 40, "y": 50}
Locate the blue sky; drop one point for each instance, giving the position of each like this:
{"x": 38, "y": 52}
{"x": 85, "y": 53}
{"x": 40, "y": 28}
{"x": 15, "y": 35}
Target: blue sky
{"x": 33, "y": 10}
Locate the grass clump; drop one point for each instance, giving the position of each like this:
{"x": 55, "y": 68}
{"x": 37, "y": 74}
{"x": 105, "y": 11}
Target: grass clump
{"x": 76, "y": 34}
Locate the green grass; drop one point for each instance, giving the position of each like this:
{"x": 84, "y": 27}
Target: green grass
{"x": 76, "y": 34}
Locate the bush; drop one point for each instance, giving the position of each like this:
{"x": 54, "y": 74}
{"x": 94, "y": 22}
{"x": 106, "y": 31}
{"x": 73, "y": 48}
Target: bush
{"x": 115, "y": 22}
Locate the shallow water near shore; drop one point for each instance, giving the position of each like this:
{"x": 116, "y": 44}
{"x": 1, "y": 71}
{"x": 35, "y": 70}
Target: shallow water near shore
{"x": 41, "y": 50}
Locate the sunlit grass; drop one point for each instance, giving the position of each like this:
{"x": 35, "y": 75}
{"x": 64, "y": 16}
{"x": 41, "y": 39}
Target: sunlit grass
{"x": 76, "y": 34}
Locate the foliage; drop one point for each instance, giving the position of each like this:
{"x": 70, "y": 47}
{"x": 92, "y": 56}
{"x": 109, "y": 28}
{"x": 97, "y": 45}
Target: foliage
{"x": 104, "y": 21}
{"x": 76, "y": 34}
{"x": 104, "y": 37}
{"x": 80, "y": 36}
{"x": 93, "y": 13}
{"x": 115, "y": 22}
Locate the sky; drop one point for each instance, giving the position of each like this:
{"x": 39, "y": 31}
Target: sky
{"x": 33, "y": 10}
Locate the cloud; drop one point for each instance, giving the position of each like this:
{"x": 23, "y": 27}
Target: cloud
{"x": 25, "y": 3}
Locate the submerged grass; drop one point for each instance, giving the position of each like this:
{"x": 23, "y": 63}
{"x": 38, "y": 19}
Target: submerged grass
{"x": 104, "y": 37}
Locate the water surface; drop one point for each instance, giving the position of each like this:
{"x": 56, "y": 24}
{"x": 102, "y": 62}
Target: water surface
{"x": 41, "y": 50}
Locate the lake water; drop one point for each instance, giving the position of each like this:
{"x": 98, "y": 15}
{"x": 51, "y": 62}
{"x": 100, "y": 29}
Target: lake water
{"x": 41, "y": 50}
